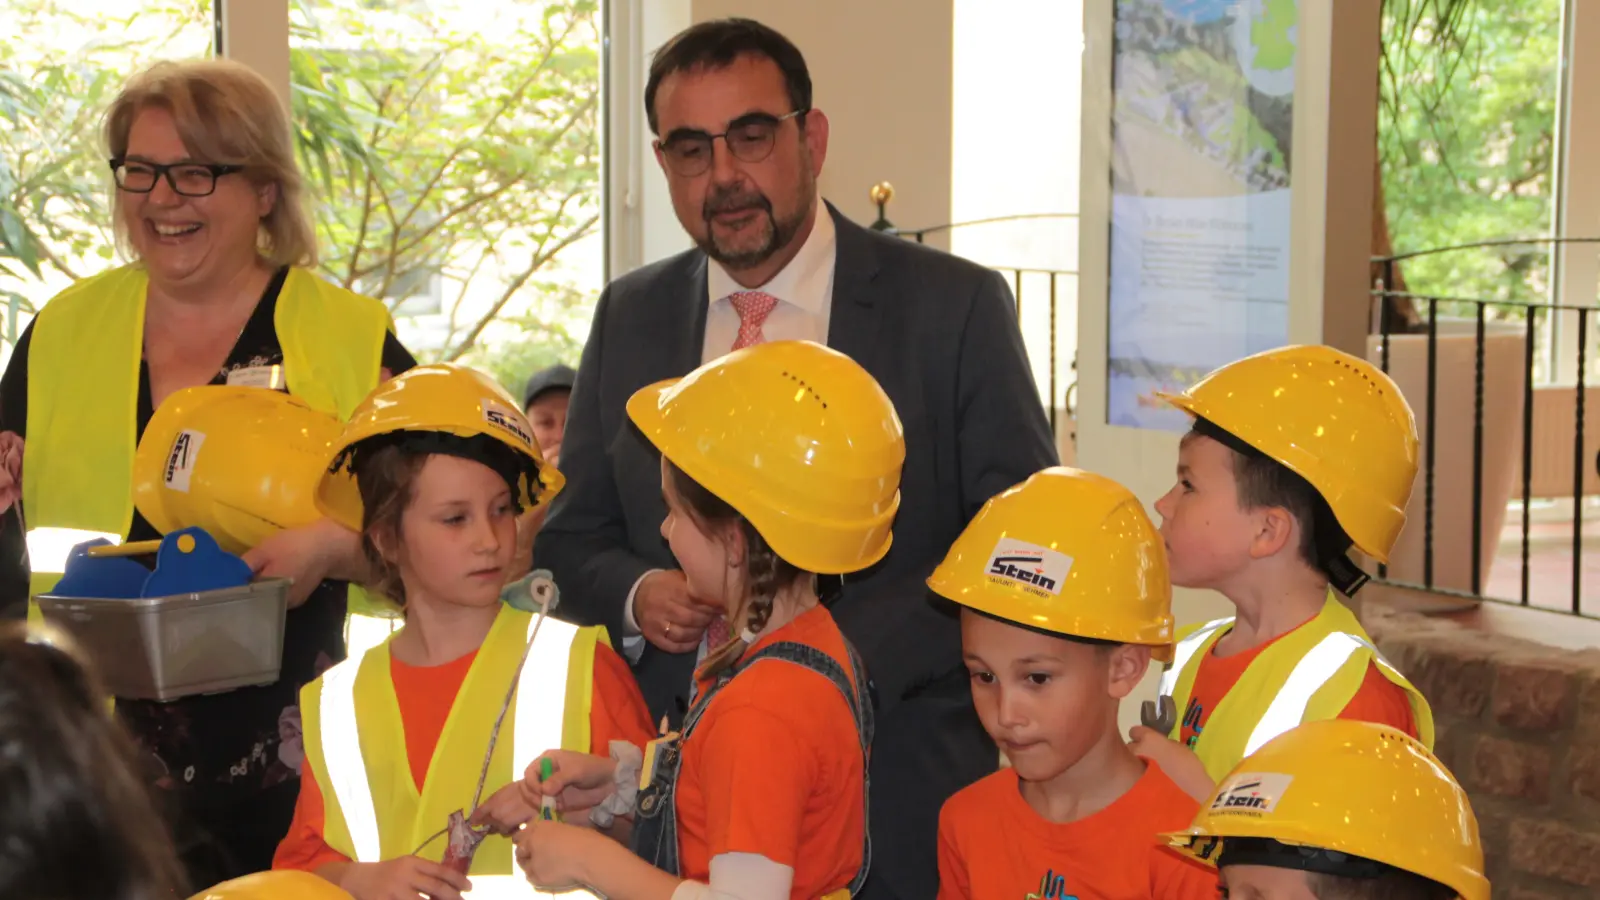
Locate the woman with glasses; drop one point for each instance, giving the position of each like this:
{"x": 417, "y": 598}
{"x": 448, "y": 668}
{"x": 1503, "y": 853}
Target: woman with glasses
{"x": 210, "y": 206}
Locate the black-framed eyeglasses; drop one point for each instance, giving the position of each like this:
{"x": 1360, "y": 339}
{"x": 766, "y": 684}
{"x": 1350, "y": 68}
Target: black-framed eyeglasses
{"x": 188, "y": 179}
{"x": 749, "y": 139}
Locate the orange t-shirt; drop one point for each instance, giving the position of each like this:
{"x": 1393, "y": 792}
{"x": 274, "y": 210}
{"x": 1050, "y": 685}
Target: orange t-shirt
{"x": 426, "y": 694}
{"x": 1378, "y": 700}
{"x": 774, "y": 768}
{"x": 992, "y": 844}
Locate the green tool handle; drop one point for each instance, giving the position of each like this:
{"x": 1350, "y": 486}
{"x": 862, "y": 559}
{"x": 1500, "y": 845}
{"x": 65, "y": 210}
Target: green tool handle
{"x": 547, "y": 803}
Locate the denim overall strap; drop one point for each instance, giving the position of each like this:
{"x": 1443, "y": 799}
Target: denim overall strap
{"x": 655, "y": 832}
{"x": 854, "y": 689}
{"x": 655, "y": 826}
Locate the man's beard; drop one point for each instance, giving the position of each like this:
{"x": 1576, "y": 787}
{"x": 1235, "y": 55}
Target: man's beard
{"x": 776, "y": 234}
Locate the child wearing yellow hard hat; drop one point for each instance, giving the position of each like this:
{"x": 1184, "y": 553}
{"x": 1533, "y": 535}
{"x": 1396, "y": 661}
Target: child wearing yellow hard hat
{"x": 1296, "y": 455}
{"x": 1063, "y": 586}
{"x": 414, "y": 750}
{"x": 779, "y": 462}
{"x": 1340, "y": 810}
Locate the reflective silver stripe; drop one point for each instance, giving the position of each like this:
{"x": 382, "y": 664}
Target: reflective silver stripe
{"x": 542, "y": 694}
{"x": 1313, "y": 671}
{"x": 48, "y": 548}
{"x": 1186, "y": 650}
{"x": 537, "y": 727}
{"x": 347, "y": 770}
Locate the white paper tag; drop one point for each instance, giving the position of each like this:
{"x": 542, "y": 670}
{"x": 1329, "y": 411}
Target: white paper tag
{"x": 1035, "y": 569}
{"x": 180, "y": 461}
{"x": 270, "y": 377}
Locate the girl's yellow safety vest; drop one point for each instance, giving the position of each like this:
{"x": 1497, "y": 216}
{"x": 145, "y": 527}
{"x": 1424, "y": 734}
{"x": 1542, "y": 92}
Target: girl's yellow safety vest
{"x": 83, "y": 395}
{"x": 356, "y": 744}
{"x": 1307, "y": 675}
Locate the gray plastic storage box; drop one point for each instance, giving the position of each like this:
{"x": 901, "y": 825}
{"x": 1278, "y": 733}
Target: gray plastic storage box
{"x": 163, "y": 648}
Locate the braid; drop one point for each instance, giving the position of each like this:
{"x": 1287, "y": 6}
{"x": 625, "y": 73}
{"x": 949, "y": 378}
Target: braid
{"x": 765, "y": 574}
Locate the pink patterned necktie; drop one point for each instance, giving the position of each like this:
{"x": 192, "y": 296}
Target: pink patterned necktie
{"x": 753, "y": 308}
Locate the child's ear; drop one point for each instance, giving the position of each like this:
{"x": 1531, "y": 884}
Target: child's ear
{"x": 387, "y": 542}
{"x": 731, "y": 536}
{"x": 1276, "y": 529}
{"x": 1128, "y": 664}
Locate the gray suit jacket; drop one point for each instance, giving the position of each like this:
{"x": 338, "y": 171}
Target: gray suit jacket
{"x": 938, "y": 332}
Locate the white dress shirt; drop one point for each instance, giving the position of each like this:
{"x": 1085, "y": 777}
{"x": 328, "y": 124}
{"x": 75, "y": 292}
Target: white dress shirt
{"x": 804, "y": 289}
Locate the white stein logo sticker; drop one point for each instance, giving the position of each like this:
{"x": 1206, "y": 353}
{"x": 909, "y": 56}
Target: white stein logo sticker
{"x": 1251, "y": 793}
{"x": 1037, "y": 570}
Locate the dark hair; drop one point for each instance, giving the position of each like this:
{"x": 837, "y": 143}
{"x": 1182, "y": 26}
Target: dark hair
{"x": 386, "y": 480}
{"x": 78, "y": 820}
{"x": 715, "y": 45}
{"x": 1263, "y": 482}
{"x": 766, "y": 573}
{"x": 386, "y": 470}
{"x": 1395, "y": 885}
{"x": 1333, "y": 874}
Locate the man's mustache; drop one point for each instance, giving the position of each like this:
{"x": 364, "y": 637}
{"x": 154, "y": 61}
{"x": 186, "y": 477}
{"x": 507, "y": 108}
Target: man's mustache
{"x": 729, "y": 202}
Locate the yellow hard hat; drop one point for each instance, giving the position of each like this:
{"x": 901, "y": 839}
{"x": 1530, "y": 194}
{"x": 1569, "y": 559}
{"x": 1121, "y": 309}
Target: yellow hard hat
{"x": 798, "y": 438}
{"x": 1333, "y": 419}
{"x": 440, "y": 398}
{"x": 1069, "y": 552}
{"x": 1351, "y": 787}
{"x": 241, "y": 462}
{"x": 281, "y": 884}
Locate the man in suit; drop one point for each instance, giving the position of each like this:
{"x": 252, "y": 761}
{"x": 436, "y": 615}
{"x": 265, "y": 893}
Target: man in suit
{"x": 741, "y": 147}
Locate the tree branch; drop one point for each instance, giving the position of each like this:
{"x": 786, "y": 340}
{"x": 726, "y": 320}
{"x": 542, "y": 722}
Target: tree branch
{"x": 539, "y": 261}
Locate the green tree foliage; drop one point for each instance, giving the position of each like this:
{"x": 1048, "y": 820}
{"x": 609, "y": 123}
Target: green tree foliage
{"x": 460, "y": 159}
{"x": 54, "y": 183}
{"x": 1466, "y": 134}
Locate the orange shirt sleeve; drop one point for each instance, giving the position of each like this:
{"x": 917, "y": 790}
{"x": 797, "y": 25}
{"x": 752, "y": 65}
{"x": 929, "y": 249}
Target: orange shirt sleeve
{"x": 303, "y": 847}
{"x": 756, "y": 776}
{"x": 1381, "y": 701}
{"x": 618, "y": 712}
{"x": 953, "y": 881}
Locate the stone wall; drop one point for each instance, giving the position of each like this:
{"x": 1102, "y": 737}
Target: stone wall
{"x": 1519, "y": 725}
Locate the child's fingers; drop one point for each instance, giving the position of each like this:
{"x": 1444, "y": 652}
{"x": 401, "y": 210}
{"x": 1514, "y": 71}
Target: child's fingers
{"x": 1140, "y": 733}
{"x": 439, "y": 881}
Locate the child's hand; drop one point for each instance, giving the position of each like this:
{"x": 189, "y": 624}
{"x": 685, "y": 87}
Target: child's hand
{"x": 579, "y": 781}
{"x": 507, "y": 809}
{"x": 1177, "y": 761}
{"x": 403, "y": 879}
{"x": 555, "y": 855}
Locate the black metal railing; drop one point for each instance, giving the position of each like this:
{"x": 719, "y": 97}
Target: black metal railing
{"x": 1060, "y": 397}
{"x": 1544, "y": 338}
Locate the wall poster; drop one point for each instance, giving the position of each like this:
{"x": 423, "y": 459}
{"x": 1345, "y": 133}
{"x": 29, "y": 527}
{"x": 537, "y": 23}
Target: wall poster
{"x": 1202, "y": 117}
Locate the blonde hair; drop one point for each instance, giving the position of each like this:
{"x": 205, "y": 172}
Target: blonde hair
{"x": 225, "y": 113}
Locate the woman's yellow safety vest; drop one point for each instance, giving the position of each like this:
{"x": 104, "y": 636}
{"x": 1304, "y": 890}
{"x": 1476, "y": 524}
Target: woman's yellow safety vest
{"x": 83, "y": 397}
{"x": 1307, "y": 675}
{"x": 355, "y": 740}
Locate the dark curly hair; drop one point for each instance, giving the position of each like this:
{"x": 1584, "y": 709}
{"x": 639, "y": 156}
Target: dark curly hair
{"x": 79, "y": 823}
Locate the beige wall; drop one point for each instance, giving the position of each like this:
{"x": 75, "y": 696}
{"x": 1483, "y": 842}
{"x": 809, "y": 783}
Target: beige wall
{"x": 881, "y": 72}
{"x": 256, "y": 33}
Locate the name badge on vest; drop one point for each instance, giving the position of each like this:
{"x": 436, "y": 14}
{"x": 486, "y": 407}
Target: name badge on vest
{"x": 269, "y": 377}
